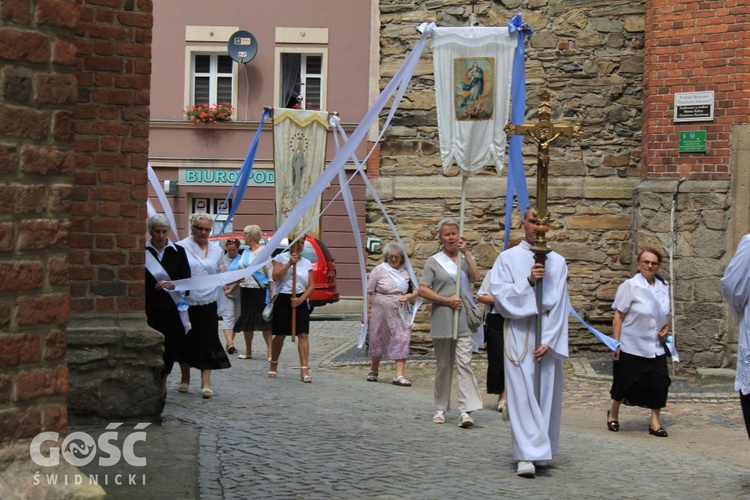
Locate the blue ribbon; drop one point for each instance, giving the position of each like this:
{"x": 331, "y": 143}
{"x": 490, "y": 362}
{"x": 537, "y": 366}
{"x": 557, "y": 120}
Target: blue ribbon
{"x": 516, "y": 178}
{"x": 240, "y": 183}
{"x": 606, "y": 340}
{"x": 400, "y": 79}
{"x": 261, "y": 278}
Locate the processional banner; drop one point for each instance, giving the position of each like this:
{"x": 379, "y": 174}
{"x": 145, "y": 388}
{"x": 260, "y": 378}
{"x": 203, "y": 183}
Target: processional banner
{"x": 299, "y": 152}
{"x": 473, "y": 69}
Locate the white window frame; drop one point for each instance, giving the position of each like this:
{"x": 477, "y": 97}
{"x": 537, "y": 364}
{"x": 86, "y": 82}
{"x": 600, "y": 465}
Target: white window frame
{"x": 190, "y": 53}
{"x": 316, "y": 51}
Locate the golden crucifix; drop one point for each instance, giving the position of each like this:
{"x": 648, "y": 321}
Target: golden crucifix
{"x": 543, "y": 132}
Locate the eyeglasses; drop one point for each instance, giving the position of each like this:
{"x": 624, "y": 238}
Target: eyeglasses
{"x": 202, "y": 229}
{"x": 650, "y": 263}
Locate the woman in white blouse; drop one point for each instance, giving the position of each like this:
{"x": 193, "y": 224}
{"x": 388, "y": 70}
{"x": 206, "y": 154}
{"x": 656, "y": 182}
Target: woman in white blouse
{"x": 285, "y": 303}
{"x": 204, "y": 349}
{"x": 641, "y": 324}
{"x": 255, "y": 291}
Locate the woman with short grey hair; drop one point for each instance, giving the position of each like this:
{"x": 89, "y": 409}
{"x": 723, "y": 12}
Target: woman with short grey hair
{"x": 169, "y": 262}
{"x": 438, "y": 285}
{"x": 204, "y": 349}
{"x": 389, "y": 291}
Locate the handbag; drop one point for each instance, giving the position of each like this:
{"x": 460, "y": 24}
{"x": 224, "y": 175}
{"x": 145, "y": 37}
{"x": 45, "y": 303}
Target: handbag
{"x": 474, "y": 317}
{"x": 268, "y": 310}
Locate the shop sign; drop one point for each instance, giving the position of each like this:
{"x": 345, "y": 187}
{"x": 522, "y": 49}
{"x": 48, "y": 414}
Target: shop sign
{"x": 223, "y": 177}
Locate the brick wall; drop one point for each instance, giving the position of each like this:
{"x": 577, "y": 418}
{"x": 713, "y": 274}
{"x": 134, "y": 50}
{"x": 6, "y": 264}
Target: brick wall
{"x": 113, "y": 357}
{"x": 693, "y": 47}
{"x": 111, "y": 141}
{"x": 37, "y": 103}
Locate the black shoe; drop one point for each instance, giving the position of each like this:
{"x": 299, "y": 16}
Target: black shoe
{"x": 613, "y": 425}
{"x": 660, "y": 432}
{"x": 231, "y": 349}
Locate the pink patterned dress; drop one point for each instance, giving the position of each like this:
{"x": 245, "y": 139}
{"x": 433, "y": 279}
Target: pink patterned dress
{"x": 389, "y": 332}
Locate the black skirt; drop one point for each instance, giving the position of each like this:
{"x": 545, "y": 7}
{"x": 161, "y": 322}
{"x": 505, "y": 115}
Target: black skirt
{"x": 638, "y": 381}
{"x": 282, "y": 316}
{"x": 253, "y": 301}
{"x": 493, "y": 334}
{"x": 204, "y": 349}
{"x": 169, "y": 324}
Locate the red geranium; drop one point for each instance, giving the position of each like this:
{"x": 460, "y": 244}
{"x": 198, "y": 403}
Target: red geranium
{"x": 208, "y": 114}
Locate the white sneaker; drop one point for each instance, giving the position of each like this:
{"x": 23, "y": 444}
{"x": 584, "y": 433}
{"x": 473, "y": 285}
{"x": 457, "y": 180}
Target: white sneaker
{"x": 465, "y": 420}
{"x": 526, "y": 469}
{"x": 439, "y": 417}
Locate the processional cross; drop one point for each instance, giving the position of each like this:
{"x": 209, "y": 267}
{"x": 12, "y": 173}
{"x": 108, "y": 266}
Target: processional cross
{"x": 543, "y": 132}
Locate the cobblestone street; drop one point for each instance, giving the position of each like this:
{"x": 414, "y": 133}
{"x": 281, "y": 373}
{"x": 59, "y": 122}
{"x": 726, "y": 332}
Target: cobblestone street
{"x": 341, "y": 437}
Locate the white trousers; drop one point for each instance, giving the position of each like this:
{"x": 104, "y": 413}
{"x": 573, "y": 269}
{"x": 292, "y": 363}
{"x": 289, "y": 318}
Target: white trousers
{"x": 451, "y": 353}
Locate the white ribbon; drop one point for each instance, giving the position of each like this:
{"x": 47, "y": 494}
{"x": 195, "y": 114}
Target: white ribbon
{"x": 393, "y": 273}
{"x": 162, "y": 199}
{"x": 451, "y": 268}
{"x": 157, "y": 271}
{"x": 403, "y": 75}
{"x": 338, "y": 130}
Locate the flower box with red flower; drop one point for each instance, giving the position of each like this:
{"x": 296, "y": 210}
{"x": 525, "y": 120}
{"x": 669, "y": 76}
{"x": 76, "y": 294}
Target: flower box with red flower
{"x": 205, "y": 114}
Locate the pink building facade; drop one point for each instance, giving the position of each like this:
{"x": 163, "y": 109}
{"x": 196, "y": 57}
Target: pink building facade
{"x": 319, "y": 53}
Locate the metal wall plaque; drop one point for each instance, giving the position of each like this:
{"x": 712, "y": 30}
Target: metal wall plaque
{"x": 694, "y": 106}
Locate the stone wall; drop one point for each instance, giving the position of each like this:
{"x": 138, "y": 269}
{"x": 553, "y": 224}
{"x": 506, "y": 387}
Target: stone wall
{"x": 701, "y": 235}
{"x": 590, "y": 56}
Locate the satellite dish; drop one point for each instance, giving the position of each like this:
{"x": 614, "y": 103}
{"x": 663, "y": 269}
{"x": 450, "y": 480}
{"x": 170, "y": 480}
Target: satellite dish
{"x": 242, "y": 46}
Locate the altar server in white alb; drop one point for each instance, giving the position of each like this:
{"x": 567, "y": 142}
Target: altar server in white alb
{"x": 535, "y": 427}
{"x": 736, "y": 288}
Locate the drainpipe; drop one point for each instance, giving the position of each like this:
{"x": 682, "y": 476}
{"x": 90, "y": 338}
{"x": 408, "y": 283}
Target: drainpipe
{"x": 671, "y": 266}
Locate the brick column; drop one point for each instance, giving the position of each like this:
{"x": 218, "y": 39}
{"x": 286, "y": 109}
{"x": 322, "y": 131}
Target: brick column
{"x": 114, "y": 358}
{"x": 37, "y": 101}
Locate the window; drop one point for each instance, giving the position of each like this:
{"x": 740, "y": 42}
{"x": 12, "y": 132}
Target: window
{"x": 301, "y": 79}
{"x": 214, "y": 207}
{"x": 212, "y": 78}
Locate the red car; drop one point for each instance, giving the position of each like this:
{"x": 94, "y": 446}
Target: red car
{"x": 324, "y": 270}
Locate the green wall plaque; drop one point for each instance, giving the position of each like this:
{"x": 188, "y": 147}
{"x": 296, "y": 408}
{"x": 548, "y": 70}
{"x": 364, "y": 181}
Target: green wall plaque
{"x": 693, "y": 141}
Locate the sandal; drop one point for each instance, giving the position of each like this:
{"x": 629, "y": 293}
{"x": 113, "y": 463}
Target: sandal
{"x": 305, "y": 378}
{"x": 401, "y": 380}
{"x": 207, "y": 393}
{"x": 231, "y": 349}
{"x": 183, "y": 387}
{"x": 272, "y": 373}
{"x": 372, "y": 376}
